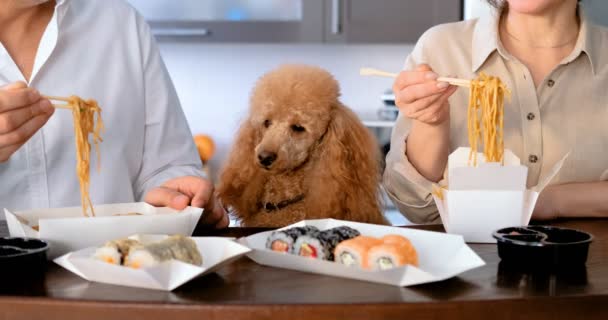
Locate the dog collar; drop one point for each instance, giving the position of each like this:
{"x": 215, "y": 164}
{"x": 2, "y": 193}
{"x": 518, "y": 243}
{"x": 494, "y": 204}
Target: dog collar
{"x": 271, "y": 206}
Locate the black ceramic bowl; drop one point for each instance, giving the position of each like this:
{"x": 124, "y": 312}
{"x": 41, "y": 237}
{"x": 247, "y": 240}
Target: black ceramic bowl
{"x": 542, "y": 246}
{"x": 22, "y": 257}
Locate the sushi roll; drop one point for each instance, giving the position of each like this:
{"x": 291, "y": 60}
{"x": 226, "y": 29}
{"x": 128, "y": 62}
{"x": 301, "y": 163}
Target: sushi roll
{"x": 115, "y": 251}
{"x": 353, "y": 252}
{"x": 396, "y": 239}
{"x": 321, "y": 245}
{"x": 283, "y": 240}
{"x": 175, "y": 247}
{"x": 391, "y": 255}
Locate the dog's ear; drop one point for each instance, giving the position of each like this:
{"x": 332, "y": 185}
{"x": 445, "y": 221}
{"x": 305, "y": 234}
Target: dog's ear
{"x": 349, "y": 169}
{"x": 239, "y": 171}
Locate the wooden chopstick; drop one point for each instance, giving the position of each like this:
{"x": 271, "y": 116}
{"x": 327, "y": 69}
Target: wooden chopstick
{"x": 59, "y": 106}
{"x": 455, "y": 81}
{"x": 380, "y": 73}
{"x": 376, "y": 72}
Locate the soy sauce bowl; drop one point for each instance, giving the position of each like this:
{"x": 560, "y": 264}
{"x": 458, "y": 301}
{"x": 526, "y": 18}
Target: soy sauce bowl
{"x": 542, "y": 246}
{"x": 22, "y": 258}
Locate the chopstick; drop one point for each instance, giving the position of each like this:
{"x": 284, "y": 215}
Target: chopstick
{"x": 59, "y": 106}
{"x": 380, "y": 73}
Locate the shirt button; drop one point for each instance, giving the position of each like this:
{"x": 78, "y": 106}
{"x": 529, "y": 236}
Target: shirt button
{"x": 550, "y": 83}
{"x": 531, "y": 116}
{"x": 533, "y": 158}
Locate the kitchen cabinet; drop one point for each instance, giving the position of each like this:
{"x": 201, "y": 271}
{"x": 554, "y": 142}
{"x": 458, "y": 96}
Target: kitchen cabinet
{"x": 264, "y": 21}
{"x": 386, "y": 21}
{"x": 293, "y": 21}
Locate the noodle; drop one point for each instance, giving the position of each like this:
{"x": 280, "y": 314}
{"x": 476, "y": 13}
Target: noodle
{"x": 485, "y": 117}
{"x": 83, "y": 113}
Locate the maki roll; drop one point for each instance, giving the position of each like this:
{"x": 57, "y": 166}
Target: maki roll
{"x": 175, "y": 247}
{"x": 391, "y": 255}
{"x": 354, "y": 252}
{"x": 321, "y": 244}
{"x": 115, "y": 251}
{"x": 283, "y": 240}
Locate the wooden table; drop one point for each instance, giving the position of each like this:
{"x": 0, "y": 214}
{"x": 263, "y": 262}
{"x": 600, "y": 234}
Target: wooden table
{"x": 245, "y": 290}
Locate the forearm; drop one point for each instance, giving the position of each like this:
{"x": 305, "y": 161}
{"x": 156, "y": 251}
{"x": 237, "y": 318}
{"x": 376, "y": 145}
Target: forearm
{"x": 587, "y": 199}
{"x": 428, "y": 147}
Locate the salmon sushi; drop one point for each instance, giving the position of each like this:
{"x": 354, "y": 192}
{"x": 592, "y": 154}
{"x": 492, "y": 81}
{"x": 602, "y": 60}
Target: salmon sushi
{"x": 391, "y": 255}
{"x": 354, "y": 252}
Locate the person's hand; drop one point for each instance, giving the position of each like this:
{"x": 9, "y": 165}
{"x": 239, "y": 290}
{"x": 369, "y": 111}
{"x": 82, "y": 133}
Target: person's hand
{"x": 180, "y": 192}
{"x": 546, "y": 207}
{"x": 420, "y": 97}
{"x": 23, "y": 112}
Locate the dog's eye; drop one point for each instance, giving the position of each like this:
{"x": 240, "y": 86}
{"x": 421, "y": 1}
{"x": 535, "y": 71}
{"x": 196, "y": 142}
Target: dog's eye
{"x": 267, "y": 123}
{"x": 297, "y": 128}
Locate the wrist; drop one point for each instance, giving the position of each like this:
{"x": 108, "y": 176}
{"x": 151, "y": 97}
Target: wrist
{"x": 437, "y": 131}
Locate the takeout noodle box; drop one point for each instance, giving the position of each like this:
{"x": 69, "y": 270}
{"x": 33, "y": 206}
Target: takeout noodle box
{"x": 66, "y": 229}
{"x": 441, "y": 256}
{"x": 479, "y": 200}
{"x": 168, "y": 275}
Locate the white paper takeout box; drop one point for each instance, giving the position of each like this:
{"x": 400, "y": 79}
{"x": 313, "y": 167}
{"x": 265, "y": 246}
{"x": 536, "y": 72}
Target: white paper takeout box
{"x": 480, "y": 200}
{"x": 441, "y": 256}
{"x": 216, "y": 252}
{"x": 66, "y": 229}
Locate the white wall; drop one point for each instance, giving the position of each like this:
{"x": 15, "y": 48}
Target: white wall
{"x": 213, "y": 81}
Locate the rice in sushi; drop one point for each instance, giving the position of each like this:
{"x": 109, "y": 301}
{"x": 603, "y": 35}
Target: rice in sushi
{"x": 321, "y": 245}
{"x": 283, "y": 240}
{"x": 175, "y": 247}
{"x": 115, "y": 251}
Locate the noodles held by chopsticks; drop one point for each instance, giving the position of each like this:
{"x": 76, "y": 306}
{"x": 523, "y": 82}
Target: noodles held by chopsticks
{"x": 85, "y": 123}
{"x": 485, "y": 117}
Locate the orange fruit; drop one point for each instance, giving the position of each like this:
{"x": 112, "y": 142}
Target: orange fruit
{"x": 205, "y": 146}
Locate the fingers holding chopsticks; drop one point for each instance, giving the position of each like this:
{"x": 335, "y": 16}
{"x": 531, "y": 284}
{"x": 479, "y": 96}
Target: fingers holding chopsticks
{"x": 421, "y": 97}
{"x": 23, "y": 111}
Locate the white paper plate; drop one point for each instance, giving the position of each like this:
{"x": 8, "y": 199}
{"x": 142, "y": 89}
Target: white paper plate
{"x": 66, "y": 229}
{"x": 441, "y": 256}
{"x": 216, "y": 252}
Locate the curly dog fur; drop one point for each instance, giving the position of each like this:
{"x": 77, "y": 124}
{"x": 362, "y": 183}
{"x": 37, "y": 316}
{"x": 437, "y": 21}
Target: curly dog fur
{"x": 303, "y": 152}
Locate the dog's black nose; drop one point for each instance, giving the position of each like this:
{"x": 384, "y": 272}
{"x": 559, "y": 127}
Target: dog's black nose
{"x": 266, "y": 158}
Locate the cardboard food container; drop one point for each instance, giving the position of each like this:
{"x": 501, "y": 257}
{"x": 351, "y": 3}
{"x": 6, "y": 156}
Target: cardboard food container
{"x": 440, "y": 255}
{"x": 168, "y": 275}
{"x": 480, "y": 200}
{"x": 66, "y": 229}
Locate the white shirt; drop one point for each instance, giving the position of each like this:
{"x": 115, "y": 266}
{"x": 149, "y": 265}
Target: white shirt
{"x": 100, "y": 50}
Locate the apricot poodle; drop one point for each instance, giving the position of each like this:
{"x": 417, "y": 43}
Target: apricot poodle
{"x": 301, "y": 154}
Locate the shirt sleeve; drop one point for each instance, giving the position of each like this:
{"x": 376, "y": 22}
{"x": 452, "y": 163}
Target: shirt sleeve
{"x": 405, "y": 186}
{"x": 169, "y": 149}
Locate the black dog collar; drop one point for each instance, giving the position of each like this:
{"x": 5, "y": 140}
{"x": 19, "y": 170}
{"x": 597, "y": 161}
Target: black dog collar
{"x": 271, "y": 206}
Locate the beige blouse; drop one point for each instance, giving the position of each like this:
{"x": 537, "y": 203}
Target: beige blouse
{"x": 567, "y": 112}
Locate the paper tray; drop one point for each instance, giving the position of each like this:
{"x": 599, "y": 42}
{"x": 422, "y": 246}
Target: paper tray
{"x": 216, "y": 252}
{"x": 441, "y": 256}
{"x": 66, "y": 229}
